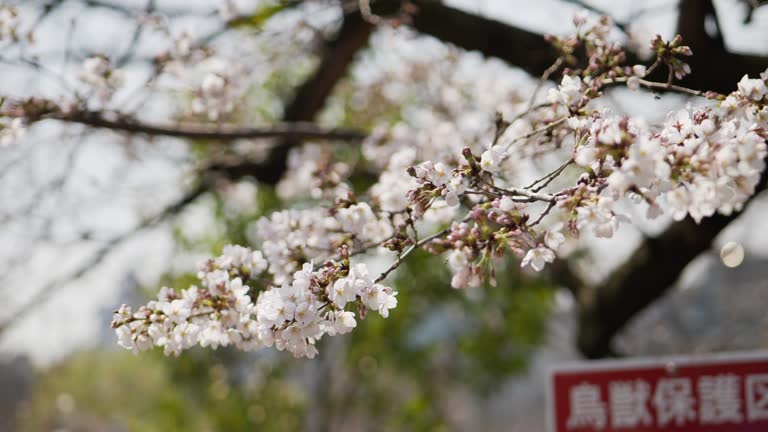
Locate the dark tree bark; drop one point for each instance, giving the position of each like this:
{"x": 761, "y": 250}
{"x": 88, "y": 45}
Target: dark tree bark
{"x": 714, "y": 68}
{"x": 657, "y": 264}
{"x": 650, "y": 272}
{"x": 312, "y": 95}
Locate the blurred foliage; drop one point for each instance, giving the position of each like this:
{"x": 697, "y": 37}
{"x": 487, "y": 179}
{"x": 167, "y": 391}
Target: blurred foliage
{"x": 257, "y": 19}
{"x": 110, "y": 390}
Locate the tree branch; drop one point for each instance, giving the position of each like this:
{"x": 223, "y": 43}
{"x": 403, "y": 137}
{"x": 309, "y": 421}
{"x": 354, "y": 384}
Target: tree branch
{"x": 518, "y": 47}
{"x": 310, "y": 98}
{"x": 647, "y": 275}
{"x": 712, "y": 69}
{"x": 295, "y": 130}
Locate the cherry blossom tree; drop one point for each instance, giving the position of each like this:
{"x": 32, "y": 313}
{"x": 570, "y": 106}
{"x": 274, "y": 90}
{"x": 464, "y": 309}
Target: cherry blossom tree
{"x": 492, "y": 173}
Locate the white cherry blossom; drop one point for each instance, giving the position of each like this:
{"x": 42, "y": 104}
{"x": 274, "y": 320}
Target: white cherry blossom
{"x": 538, "y": 257}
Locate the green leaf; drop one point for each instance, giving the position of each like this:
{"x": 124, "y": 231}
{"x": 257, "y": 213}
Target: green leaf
{"x": 259, "y": 18}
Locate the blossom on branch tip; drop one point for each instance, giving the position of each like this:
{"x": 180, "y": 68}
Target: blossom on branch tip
{"x": 553, "y": 238}
{"x": 754, "y": 89}
{"x": 570, "y": 92}
{"x": 585, "y": 156}
{"x": 99, "y": 73}
{"x": 538, "y": 257}
{"x": 491, "y": 159}
{"x": 12, "y": 131}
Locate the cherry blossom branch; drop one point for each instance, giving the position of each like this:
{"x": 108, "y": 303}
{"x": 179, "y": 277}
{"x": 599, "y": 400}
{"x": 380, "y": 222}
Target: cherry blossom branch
{"x": 532, "y": 195}
{"x": 483, "y": 193}
{"x": 667, "y": 86}
{"x": 543, "y": 214}
{"x": 401, "y": 259}
{"x": 547, "y": 179}
{"x": 535, "y": 132}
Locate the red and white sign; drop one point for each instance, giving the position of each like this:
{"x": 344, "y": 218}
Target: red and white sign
{"x": 721, "y": 393}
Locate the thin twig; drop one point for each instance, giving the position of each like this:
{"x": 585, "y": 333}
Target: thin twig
{"x": 652, "y": 67}
{"x": 546, "y": 211}
{"x": 661, "y": 86}
{"x": 544, "y": 77}
{"x": 544, "y": 128}
{"x": 410, "y": 250}
{"x": 528, "y": 111}
{"x": 482, "y": 192}
{"x": 547, "y": 179}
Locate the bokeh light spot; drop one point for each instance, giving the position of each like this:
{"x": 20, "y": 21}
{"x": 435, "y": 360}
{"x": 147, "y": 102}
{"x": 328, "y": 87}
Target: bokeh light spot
{"x": 732, "y": 254}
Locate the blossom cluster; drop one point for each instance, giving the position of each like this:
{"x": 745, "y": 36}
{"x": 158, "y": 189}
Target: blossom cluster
{"x": 238, "y": 305}
{"x": 492, "y": 229}
{"x": 101, "y": 76}
{"x": 219, "y": 89}
{"x": 438, "y": 181}
{"x": 216, "y": 83}
{"x": 452, "y": 162}
{"x": 313, "y": 172}
{"x": 290, "y": 238}
{"x": 702, "y": 161}
{"x": 10, "y": 131}
{"x": 390, "y": 192}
